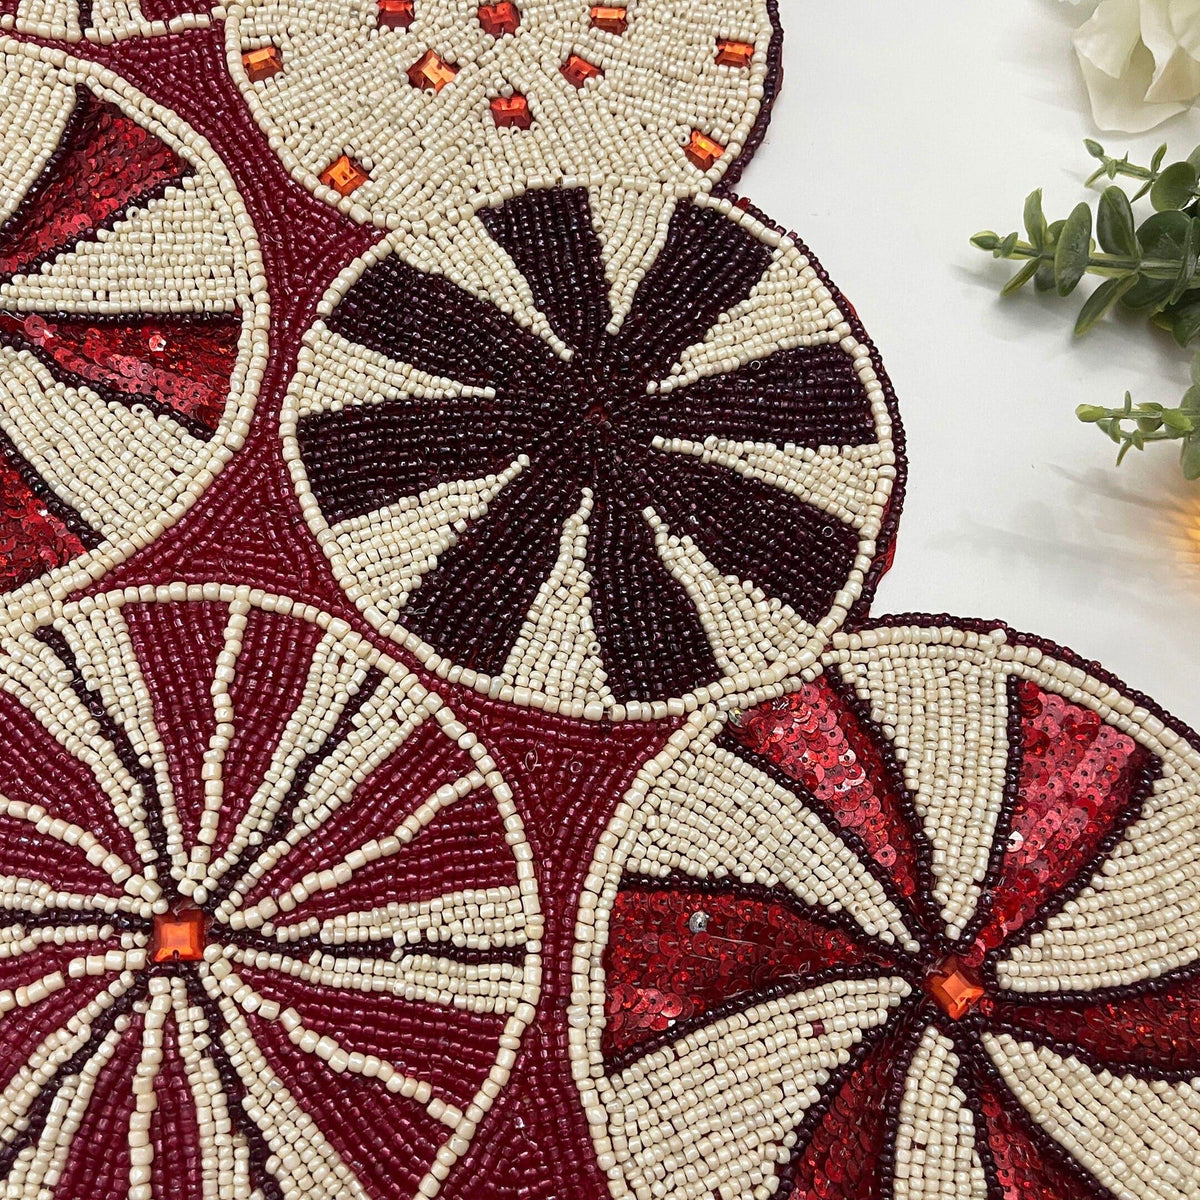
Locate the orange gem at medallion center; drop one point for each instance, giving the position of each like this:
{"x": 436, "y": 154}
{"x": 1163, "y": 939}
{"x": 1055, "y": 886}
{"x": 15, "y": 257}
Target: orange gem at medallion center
{"x": 178, "y": 936}
{"x": 955, "y": 987}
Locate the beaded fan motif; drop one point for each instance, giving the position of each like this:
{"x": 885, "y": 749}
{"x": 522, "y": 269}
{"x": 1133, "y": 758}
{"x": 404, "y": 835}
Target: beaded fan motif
{"x": 444, "y": 748}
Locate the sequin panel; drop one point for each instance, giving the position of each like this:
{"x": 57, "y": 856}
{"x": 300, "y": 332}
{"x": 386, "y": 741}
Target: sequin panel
{"x": 787, "y": 1005}
{"x": 133, "y": 322}
{"x": 677, "y": 953}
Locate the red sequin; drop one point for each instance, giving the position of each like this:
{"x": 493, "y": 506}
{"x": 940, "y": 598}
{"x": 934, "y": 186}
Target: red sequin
{"x": 1078, "y": 778}
{"x": 843, "y": 1157}
{"x": 815, "y": 738}
{"x": 183, "y": 363}
{"x": 32, "y": 539}
{"x": 1159, "y": 1030}
{"x": 105, "y": 163}
{"x": 676, "y": 953}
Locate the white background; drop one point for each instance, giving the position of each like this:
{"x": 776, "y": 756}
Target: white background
{"x": 903, "y": 127}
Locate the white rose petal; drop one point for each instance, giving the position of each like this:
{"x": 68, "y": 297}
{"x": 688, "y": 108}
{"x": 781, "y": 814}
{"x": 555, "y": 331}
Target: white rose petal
{"x": 1140, "y": 60}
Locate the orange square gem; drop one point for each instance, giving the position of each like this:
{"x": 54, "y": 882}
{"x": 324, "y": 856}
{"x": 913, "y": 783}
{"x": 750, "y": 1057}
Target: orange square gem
{"x": 431, "y": 72}
{"x": 734, "y": 54}
{"x": 262, "y": 63}
{"x": 609, "y": 17}
{"x": 702, "y": 150}
{"x": 578, "y": 70}
{"x": 344, "y": 175}
{"x": 178, "y": 937}
{"x": 511, "y": 111}
{"x": 955, "y": 987}
{"x": 395, "y": 14}
{"x": 499, "y": 19}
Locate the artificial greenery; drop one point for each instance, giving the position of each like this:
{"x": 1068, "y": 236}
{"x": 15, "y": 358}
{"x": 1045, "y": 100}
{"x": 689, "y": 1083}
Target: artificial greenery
{"x": 1148, "y": 268}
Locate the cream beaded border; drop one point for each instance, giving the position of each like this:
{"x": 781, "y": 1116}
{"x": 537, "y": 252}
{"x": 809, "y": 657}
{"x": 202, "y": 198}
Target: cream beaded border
{"x": 459, "y": 1140}
{"x": 748, "y": 682}
{"x": 248, "y": 371}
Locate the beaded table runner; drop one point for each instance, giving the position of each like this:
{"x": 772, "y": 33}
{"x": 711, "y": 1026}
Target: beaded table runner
{"x": 444, "y": 746}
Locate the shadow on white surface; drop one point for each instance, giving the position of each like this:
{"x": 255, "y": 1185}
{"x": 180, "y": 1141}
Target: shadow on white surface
{"x": 902, "y": 130}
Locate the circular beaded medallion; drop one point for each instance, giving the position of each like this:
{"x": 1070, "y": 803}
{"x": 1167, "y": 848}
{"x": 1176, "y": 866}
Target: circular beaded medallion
{"x": 272, "y": 928}
{"x": 615, "y": 518}
{"x": 416, "y": 113}
{"x": 928, "y": 925}
{"x": 133, "y": 320}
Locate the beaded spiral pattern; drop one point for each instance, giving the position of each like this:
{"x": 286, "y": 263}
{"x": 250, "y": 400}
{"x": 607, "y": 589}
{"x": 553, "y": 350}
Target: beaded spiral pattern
{"x": 445, "y": 750}
{"x": 685, "y": 507}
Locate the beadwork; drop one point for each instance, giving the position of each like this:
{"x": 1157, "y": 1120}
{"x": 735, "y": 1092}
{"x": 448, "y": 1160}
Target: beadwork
{"x": 132, "y": 321}
{"x": 272, "y": 922}
{"x": 925, "y": 925}
{"x": 845, "y": 912}
{"x": 407, "y": 89}
{"x": 606, "y": 520}
{"x": 102, "y": 21}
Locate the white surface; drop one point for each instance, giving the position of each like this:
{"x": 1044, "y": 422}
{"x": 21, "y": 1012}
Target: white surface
{"x": 901, "y": 130}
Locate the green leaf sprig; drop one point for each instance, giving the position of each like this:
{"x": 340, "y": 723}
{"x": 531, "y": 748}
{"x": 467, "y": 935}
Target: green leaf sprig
{"x": 1150, "y": 268}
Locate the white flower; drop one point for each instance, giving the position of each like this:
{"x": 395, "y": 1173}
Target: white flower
{"x": 1140, "y": 60}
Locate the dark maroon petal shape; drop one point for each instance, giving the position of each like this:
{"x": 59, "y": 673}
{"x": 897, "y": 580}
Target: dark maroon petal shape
{"x": 755, "y": 532}
{"x": 677, "y": 952}
{"x": 549, "y": 236}
{"x": 364, "y": 458}
{"x": 472, "y": 605}
{"x": 651, "y": 640}
{"x": 800, "y": 397}
{"x": 428, "y": 321}
{"x": 708, "y": 264}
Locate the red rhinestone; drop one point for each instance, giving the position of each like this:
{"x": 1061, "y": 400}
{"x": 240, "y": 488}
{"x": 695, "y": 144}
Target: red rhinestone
{"x": 578, "y": 70}
{"x": 262, "y": 63}
{"x": 178, "y": 936}
{"x": 395, "y": 14}
{"x": 955, "y": 987}
{"x": 344, "y": 175}
{"x": 499, "y": 19}
{"x": 431, "y": 72}
{"x": 702, "y": 150}
{"x": 734, "y": 54}
{"x": 511, "y": 111}
{"x": 610, "y": 18}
